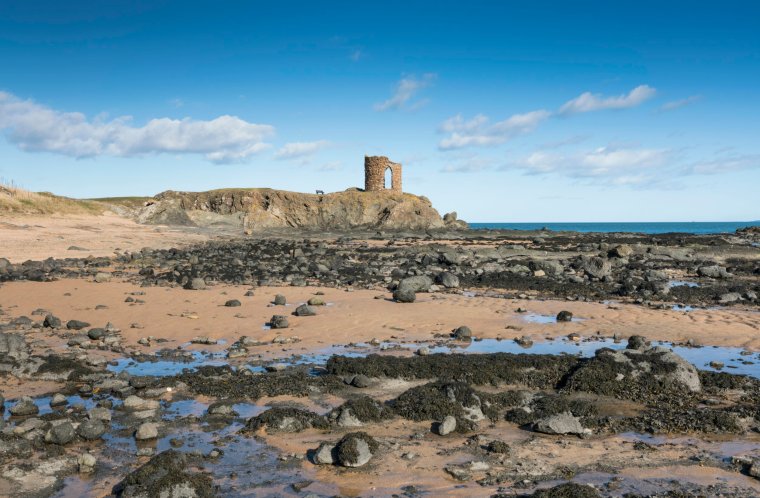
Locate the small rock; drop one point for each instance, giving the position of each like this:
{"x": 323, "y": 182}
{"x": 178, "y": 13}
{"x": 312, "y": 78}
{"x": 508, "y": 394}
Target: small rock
{"x": 91, "y": 430}
{"x": 462, "y": 333}
{"x": 316, "y": 301}
{"x": 279, "y": 322}
{"x": 61, "y": 434}
{"x": 404, "y": 296}
{"x": 565, "y": 316}
{"x": 58, "y": 399}
{"x": 233, "y": 303}
{"x": 24, "y": 408}
{"x": 52, "y": 322}
{"x": 196, "y": 284}
{"x": 279, "y": 300}
{"x": 448, "y": 426}
{"x": 76, "y": 325}
{"x": 361, "y": 381}
{"x": 86, "y": 463}
{"x": 305, "y": 310}
{"x": 102, "y": 277}
{"x": 323, "y": 455}
{"x": 524, "y": 341}
{"x": 147, "y": 430}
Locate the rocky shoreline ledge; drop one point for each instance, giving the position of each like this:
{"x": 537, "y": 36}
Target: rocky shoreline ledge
{"x": 90, "y": 410}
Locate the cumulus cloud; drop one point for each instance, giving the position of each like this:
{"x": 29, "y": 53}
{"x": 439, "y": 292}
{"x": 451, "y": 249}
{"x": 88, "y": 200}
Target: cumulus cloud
{"x": 406, "y": 89}
{"x": 478, "y": 131}
{"x": 35, "y": 127}
{"x": 296, "y": 150}
{"x": 588, "y": 102}
{"x": 677, "y": 104}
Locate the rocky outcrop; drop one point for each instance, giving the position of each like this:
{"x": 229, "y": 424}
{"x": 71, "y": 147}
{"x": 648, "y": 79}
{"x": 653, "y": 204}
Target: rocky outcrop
{"x": 267, "y": 208}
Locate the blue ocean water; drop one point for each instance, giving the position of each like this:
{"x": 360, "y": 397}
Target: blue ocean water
{"x": 693, "y": 227}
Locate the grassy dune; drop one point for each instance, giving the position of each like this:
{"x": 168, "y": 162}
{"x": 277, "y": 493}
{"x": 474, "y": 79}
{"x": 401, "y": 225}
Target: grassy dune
{"x": 15, "y": 200}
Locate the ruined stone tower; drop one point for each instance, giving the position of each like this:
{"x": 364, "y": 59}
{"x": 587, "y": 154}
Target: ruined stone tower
{"x": 374, "y": 174}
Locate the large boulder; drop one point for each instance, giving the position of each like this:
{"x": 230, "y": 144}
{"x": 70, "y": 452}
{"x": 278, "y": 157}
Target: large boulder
{"x": 637, "y": 372}
{"x": 286, "y": 419}
{"x": 420, "y": 283}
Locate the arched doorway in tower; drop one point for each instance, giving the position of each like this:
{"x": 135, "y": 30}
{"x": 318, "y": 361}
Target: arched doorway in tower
{"x": 388, "y": 178}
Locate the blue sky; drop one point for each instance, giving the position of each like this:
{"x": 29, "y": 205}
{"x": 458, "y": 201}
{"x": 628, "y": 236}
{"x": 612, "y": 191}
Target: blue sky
{"x": 503, "y": 111}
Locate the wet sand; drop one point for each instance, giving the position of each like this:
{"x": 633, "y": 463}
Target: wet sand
{"x": 179, "y": 315}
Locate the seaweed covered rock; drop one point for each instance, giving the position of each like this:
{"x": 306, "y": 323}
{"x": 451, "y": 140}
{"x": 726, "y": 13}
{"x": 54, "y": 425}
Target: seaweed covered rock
{"x": 286, "y": 419}
{"x": 437, "y": 400}
{"x": 165, "y": 475}
{"x": 358, "y": 411}
{"x": 355, "y": 449}
{"x": 638, "y": 372}
{"x": 538, "y": 411}
{"x": 532, "y": 370}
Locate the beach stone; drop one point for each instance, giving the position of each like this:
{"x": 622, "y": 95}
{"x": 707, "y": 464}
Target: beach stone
{"x": 24, "y": 408}
{"x": 713, "y": 271}
{"x": 102, "y": 277}
{"x": 52, "y": 322}
{"x": 448, "y": 280}
{"x": 222, "y": 409}
{"x": 58, "y": 399}
{"x": 524, "y": 341}
{"x": 462, "y": 333}
{"x": 355, "y": 449}
{"x": 233, "y": 303}
{"x": 99, "y": 413}
{"x": 305, "y": 310}
{"x": 348, "y": 419}
{"x": 91, "y": 429}
{"x": 61, "y": 433}
{"x": 564, "y": 316}
{"x": 423, "y": 351}
{"x": 597, "y": 267}
{"x": 279, "y": 322}
{"x": 448, "y": 426}
{"x": 420, "y": 283}
{"x": 279, "y": 300}
{"x": 621, "y": 251}
{"x": 146, "y": 430}
{"x": 361, "y": 381}
{"x": 136, "y": 403}
{"x": 562, "y": 423}
{"x": 196, "y": 284}
{"x": 76, "y": 325}
{"x": 730, "y": 297}
{"x": 202, "y": 339}
{"x": 316, "y": 301}
{"x": 323, "y": 455}
{"x": 96, "y": 333}
{"x": 86, "y": 463}
{"x": 404, "y": 296}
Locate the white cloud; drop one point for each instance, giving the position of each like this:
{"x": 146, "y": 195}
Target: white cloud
{"x": 588, "y": 102}
{"x": 677, "y": 104}
{"x": 300, "y": 149}
{"x": 478, "y": 132}
{"x": 616, "y": 166}
{"x": 405, "y": 91}
{"x": 35, "y": 127}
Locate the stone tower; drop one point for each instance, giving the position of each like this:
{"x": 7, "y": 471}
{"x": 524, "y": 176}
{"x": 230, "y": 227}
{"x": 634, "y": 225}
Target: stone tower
{"x": 374, "y": 174}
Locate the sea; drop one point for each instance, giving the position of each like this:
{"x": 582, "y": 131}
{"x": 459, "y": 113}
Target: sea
{"x": 693, "y": 227}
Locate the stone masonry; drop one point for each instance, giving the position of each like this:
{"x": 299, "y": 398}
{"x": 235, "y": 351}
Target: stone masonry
{"x": 374, "y": 174}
